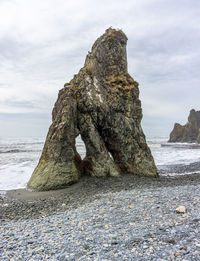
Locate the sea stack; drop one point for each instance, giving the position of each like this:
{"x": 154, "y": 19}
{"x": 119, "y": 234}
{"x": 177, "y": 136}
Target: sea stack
{"x": 190, "y": 132}
{"x": 101, "y": 103}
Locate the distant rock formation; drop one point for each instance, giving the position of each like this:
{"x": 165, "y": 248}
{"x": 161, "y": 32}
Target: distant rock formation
{"x": 101, "y": 104}
{"x": 190, "y": 132}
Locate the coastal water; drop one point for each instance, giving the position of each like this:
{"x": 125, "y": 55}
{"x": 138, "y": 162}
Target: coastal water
{"x": 19, "y": 156}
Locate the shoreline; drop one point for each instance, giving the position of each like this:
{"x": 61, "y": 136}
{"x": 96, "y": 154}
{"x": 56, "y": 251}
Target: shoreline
{"x": 169, "y": 179}
{"x": 166, "y": 173}
{"x": 19, "y": 203}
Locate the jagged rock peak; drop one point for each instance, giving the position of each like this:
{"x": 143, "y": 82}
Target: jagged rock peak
{"x": 101, "y": 103}
{"x": 108, "y": 54}
{"x": 190, "y": 132}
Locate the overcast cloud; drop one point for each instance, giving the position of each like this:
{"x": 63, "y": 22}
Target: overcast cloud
{"x": 44, "y": 43}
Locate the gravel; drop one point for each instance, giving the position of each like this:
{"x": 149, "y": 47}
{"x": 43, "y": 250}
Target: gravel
{"x": 126, "y": 218}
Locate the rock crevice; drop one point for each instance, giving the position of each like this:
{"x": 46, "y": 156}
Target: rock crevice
{"x": 101, "y": 103}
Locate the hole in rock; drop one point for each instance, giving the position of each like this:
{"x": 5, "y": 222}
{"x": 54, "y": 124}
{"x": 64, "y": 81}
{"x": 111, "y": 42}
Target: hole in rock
{"x": 80, "y": 146}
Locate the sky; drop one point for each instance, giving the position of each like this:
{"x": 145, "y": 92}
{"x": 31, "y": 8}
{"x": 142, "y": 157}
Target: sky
{"x": 44, "y": 43}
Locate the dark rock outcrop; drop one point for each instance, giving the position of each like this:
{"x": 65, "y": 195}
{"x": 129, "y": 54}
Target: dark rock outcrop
{"x": 190, "y": 132}
{"x": 101, "y": 104}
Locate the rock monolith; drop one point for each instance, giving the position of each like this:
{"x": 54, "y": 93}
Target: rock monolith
{"x": 190, "y": 132}
{"x": 101, "y": 104}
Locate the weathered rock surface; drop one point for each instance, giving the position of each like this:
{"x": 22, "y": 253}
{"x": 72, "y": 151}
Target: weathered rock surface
{"x": 101, "y": 104}
{"x": 190, "y": 132}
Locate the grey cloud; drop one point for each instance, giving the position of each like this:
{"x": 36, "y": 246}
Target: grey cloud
{"x": 24, "y": 124}
{"x": 20, "y": 103}
{"x": 39, "y": 56}
{"x": 12, "y": 49}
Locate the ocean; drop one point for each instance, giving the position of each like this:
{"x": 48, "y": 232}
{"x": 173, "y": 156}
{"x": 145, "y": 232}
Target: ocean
{"x": 19, "y": 157}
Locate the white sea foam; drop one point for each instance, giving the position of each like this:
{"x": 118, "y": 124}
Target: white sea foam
{"x": 173, "y": 153}
{"x": 19, "y": 157}
{"x": 173, "y": 174}
{"x": 15, "y": 176}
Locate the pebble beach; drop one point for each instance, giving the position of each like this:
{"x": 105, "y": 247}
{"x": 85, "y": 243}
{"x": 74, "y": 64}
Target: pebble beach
{"x": 126, "y": 218}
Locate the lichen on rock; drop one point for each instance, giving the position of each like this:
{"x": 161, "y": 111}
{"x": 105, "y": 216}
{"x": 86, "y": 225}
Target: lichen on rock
{"x": 101, "y": 103}
{"x": 190, "y": 132}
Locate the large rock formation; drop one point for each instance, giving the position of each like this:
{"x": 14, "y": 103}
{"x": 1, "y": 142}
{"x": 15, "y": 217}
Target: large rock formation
{"x": 190, "y": 132}
{"x": 101, "y": 104}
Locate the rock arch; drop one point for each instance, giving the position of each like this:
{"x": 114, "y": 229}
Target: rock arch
{"x": 101, "y": 103}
